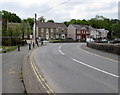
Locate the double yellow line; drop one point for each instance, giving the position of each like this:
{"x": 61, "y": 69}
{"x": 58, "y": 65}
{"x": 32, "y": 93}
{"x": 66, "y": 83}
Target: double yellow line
{"x": 39, "y": 76}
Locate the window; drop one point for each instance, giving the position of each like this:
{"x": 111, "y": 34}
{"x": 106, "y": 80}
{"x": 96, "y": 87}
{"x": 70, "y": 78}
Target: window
{"x": 46, "y": 30}
{"x": 78, "y": 32}
{"x": 62, "y": 30}
{"x": 51, "y": 30}
{"x": 42, "y": 30}
{"x": 57, "y": 30}
{"x": 78, "y": 37}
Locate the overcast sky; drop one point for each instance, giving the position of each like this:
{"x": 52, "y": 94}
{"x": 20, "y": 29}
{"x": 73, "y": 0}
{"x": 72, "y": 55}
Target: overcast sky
{"x": 77, "y": 9}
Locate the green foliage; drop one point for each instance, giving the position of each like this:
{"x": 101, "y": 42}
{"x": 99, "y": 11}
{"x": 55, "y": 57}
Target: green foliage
{"x": 73, "y": 21}
{"x": 116, "y": 29}
{"x": 10, "y": 17}
{"x": 41, "y": 19}
{"x": 25, "y": 29}
{"x": 30, "y": 21}
{"x": 108, "y": 24}
{"x": 50, "y": 21}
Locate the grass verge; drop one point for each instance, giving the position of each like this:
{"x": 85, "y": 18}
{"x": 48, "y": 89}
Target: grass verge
{"x": 8, "y": 48}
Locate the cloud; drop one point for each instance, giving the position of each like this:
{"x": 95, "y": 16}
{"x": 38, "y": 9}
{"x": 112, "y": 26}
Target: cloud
{"x": 77, "y": 9}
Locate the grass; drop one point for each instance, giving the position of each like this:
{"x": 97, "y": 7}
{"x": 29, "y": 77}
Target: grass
{"x": 8, "y": 48}
{"x": 21, "y": 76}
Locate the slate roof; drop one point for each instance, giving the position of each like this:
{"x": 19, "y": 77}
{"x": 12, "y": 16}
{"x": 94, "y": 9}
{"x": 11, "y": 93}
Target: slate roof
{"x": 50, "y": 25}
{"x": 82, "y": 27}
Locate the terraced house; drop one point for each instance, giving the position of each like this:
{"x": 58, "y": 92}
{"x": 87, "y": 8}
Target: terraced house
{"x": 78, "y": 32}
{"x": 49, "y": 30}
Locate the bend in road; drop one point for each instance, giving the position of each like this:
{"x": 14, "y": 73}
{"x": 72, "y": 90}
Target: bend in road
{"x": 60, "y": 66}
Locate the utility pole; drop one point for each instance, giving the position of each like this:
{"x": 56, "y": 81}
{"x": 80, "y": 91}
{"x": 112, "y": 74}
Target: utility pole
{"x": 35, "y": 27}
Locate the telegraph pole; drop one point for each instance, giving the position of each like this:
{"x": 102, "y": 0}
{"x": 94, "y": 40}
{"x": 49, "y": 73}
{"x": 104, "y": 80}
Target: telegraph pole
{"x": 35, "y": 26}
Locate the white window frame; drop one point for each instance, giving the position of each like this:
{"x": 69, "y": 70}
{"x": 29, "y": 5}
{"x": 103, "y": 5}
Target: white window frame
{"x": 51, "y": 30}
{"x": 42, "y": 30}
{"x": 57, "y": 30}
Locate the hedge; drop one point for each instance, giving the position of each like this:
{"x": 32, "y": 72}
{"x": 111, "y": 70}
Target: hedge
{"x": 110, "y": 48}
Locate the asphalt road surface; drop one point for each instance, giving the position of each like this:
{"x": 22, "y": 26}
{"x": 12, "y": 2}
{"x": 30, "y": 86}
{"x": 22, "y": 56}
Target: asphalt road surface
{"x": 69, "y": 69}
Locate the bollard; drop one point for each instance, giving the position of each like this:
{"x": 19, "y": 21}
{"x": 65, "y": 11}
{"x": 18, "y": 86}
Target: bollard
{"x": 18, "y": 48}
{"x": 41, "y": 43}
{"x": 33, "y": 45}
{"x": 29, "y": 46}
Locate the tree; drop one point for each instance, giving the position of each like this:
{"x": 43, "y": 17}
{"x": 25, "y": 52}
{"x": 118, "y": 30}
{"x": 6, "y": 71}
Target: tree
{"x": 116, "y": 29}
{"x": 30, "y": 21}
{"x": 73, "y": 21}
{"x": 41, "y": 19}
{"x": 51, "y": 21}
{"x": 25, "y": 29}
{"x": 10, "y": 17}
{"x": 67, "y": 23}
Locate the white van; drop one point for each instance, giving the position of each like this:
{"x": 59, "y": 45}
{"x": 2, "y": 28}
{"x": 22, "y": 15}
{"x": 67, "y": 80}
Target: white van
{"x": 89, "y": 40}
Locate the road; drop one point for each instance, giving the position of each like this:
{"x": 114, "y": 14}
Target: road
{"x": 67, "y": 68}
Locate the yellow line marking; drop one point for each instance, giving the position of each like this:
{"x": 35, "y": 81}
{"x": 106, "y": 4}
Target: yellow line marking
{"x": 39, "y": 77}
{"x": 97, "y": 54}
{"x": 44, "y": 80}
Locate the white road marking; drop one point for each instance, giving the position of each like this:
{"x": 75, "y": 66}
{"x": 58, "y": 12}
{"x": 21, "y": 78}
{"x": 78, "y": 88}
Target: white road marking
{"x": 61, "y": 52}
{"x": 59, "y": 47}
{"x": 95, "y": 68}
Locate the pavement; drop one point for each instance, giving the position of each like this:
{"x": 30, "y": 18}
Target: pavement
{"x": 69, "y": 68}
{"x": 101, "y": 53}
{"x": 11, "y": 68}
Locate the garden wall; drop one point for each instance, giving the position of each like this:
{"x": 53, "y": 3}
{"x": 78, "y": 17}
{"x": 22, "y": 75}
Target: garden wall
{"x": 110, "y": 48}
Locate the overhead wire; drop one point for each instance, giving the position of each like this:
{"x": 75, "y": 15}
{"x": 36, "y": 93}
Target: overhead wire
{"x": 55, "y": 6}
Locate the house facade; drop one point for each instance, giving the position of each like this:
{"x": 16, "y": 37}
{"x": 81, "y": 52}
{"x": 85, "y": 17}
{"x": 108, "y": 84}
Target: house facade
{"x": 102, "y": 33}
{"x": 78, "y": 32}
{"x": 82, "y": 32}
{"x": 49, "y": 30}
{"x": 93, "y": 32}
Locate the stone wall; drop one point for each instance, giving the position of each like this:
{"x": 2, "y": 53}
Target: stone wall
{"x": 110, "y": 48}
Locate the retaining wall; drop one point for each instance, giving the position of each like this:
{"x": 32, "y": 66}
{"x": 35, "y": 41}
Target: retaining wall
{"x": 110, "y": 48}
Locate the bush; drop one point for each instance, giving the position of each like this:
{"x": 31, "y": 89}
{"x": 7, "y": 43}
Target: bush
{"x": 12, "y": 42}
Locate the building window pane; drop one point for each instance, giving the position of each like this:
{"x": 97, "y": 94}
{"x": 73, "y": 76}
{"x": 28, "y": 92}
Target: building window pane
{"x": 56, "y": 29}
{"x": 51, "y": 30}
{"x": 46, "y": 30}
{"x": 42, "y": 30}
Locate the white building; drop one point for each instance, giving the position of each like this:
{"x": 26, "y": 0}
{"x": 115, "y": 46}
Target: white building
{"x": 102, "y": 33}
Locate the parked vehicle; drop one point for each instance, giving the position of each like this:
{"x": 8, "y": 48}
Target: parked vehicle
{"x": 90, "y": 40}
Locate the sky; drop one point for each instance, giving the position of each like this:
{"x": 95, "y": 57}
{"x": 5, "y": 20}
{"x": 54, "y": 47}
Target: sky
{"x": 62, "y": 10}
